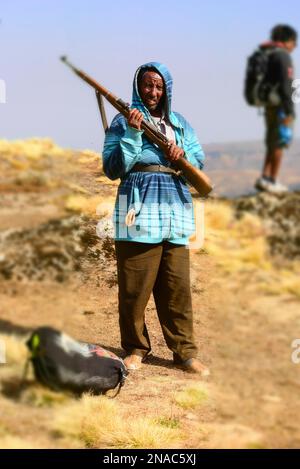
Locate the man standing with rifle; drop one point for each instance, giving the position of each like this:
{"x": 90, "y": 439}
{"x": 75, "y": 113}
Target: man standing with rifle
{"x": 153, "y": 219}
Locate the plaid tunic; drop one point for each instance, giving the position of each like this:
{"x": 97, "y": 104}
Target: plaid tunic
{"x": 161, "y": 203}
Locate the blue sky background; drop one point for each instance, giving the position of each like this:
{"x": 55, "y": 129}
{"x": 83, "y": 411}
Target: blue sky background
{"x": 204, "y": 44}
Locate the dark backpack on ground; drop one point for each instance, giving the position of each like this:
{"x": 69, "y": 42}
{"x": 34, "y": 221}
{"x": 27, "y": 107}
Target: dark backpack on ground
{"x": 257, "y": 90}
{"x": 62, "y": 363}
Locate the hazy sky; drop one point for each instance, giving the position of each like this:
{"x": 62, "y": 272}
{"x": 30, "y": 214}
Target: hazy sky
{"x": 204, "y": 44}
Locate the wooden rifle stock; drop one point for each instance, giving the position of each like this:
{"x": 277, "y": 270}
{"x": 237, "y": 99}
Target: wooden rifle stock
{"x": 197, "y": 178}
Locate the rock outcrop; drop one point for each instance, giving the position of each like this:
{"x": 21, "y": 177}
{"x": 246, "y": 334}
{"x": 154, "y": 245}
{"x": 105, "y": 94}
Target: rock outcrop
{"x": 281, "y": 216}
{"x": 55, "y": 250}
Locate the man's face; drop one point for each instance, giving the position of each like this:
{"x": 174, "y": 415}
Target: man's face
{"x": 290, "y": 45}
{"x": 151, "y": 90}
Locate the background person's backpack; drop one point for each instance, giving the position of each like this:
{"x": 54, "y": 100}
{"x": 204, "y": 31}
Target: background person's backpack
{"x": 257, "y": 91}
{"x": 61, "y": 362}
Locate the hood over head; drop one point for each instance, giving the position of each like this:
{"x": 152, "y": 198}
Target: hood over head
{"x": 168, "y": 81}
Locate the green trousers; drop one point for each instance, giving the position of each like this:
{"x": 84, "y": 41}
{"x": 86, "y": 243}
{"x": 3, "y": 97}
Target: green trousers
{"x": 163, "y": 269}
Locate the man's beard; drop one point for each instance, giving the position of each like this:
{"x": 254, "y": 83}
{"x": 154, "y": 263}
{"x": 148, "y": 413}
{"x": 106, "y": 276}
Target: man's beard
{"x": 157, "y": 107}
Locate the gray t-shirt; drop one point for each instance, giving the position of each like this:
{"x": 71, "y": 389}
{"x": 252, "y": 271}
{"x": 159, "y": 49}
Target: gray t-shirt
{"x": 164, "y": 126}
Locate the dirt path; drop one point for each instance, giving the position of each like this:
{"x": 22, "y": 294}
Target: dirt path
{"x": 257, "y": 383}
{"x": 245, "y": 340}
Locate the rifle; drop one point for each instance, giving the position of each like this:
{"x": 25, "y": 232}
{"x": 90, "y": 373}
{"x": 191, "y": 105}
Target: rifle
{"x": 197, "y": 178}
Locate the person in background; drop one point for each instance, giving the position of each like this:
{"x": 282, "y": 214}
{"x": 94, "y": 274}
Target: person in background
{"x": 279, "y": 118}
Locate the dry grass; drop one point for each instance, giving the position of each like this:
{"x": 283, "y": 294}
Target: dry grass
{"x": 148, "y": 433}
{"x": 33, "y": 164}
{"x": 104, "y": 180}
{"x": 39, "y": 164}
{"x": 92, "y": 206}
{"x": 285, "y": 282}
{"x": 99, "y": 422}
{"x": 16, "y": 350}
{"x": 169, "y": 422}
{"x": 11, "y": 372}
{"x": 31, "y": 149}
{"x": 236, "y": 244}
{"x": 192, "y": 396}
{"x": 14, "y": 442}
{"x": 240, "y": 246}
{"x": 39, "y": 396}
{"x": 88, "y": 156}
{"x": 77, "y": 189}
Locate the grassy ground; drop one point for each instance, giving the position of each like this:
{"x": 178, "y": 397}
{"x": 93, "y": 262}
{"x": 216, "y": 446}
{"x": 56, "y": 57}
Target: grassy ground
{"x": 246, "y": 314}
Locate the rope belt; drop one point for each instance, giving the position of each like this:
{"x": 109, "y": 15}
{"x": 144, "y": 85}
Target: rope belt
{"x": 154, "y": 168}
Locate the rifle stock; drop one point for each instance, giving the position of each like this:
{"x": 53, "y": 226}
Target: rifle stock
{"x": 197, "y": 178}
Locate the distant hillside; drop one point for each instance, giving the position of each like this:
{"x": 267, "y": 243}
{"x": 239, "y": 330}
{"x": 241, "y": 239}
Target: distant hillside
{"x": 235, "y": 166}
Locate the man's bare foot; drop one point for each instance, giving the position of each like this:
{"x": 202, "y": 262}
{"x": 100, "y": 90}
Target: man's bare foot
{"x": 193, "y": 365}
{"x": 134, "y": 361}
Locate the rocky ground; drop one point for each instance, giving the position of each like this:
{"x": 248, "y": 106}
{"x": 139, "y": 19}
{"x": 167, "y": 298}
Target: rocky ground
{"x": 281, "y": 215}
{"x": 55, "y": 270}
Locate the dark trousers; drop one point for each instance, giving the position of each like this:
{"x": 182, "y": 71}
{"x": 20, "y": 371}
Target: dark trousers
{"x": 163, "y": 269}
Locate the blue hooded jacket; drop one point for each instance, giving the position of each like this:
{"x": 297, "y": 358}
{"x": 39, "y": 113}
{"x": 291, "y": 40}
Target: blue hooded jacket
{"x": 161, "y": 202}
